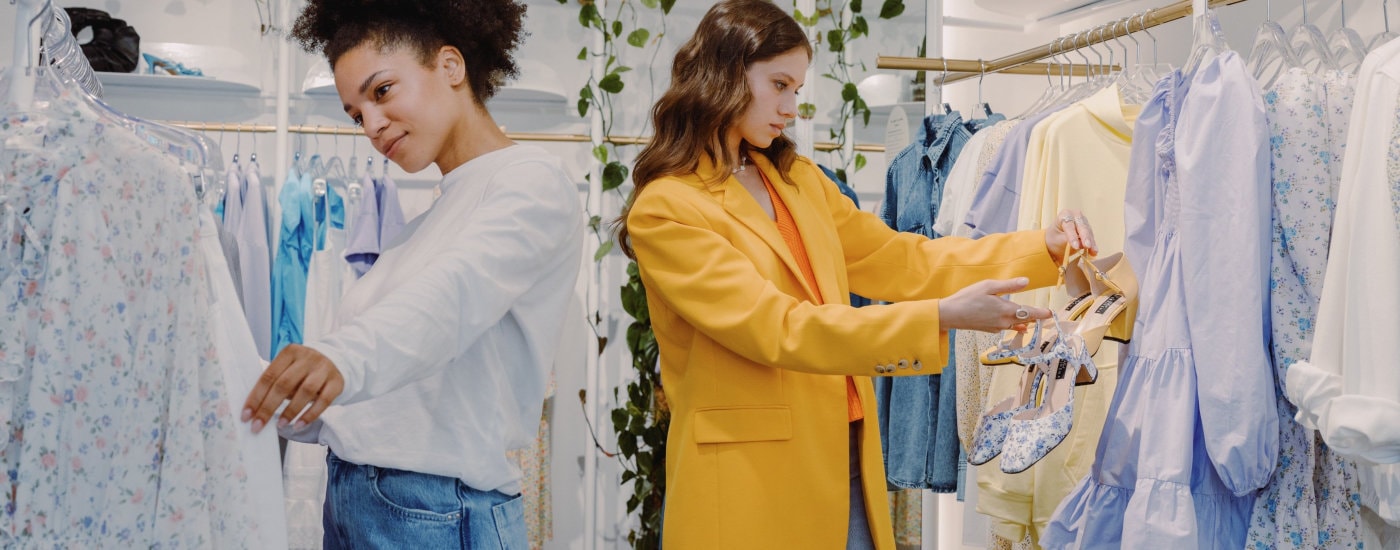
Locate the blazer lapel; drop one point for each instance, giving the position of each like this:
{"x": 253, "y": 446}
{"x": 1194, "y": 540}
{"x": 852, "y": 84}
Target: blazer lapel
{"x": 741, "y": 205}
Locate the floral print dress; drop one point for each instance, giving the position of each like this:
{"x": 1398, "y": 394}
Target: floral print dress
{"x": 119, "y": 432}
{"x": 1314, "y": 499}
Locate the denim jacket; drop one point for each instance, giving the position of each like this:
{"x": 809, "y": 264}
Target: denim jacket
{"x": 914, "y": 180}
{"x": 918, "y": 414}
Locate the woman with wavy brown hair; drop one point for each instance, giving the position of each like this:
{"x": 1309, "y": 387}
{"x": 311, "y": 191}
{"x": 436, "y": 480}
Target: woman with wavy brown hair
{"x": 748, "y": 254}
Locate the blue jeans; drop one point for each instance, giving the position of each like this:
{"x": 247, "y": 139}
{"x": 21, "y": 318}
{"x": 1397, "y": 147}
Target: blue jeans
{"x": 371, "y": 507}
{"x": 858, "y": 535}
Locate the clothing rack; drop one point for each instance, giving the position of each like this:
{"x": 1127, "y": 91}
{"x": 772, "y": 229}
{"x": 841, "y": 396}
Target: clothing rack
{"x": 1150, "y": 18}
{"x": 976, "y": 67}
{"x": 516, "y": 136}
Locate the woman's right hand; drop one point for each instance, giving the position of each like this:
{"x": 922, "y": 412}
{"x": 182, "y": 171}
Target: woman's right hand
{"x": 980, "y": 307}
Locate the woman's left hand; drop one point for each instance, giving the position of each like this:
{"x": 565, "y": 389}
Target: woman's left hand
{"x": 1070, "y": 228}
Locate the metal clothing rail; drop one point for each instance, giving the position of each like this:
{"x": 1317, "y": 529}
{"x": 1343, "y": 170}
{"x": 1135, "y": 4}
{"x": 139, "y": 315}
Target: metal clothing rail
{"x": 1147, "y": 20}
{"x": 974, "y": 66}
{"x": 516, "y": 136}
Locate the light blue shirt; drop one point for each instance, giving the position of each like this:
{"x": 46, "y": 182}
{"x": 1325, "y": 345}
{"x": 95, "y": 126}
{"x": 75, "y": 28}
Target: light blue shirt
{"x": 289, "y": 269}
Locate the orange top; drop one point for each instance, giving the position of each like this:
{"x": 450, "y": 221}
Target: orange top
{"x": 788, "y": 228}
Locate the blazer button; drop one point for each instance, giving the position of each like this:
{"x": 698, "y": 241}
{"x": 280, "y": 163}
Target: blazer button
{"x": 918, "y": 365}
{"x": 903, "y": 363}
{"x": 880, "y": 369}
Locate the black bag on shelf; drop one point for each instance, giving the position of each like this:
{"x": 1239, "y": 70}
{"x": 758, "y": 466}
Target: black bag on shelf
{"x": 115, "y": 46}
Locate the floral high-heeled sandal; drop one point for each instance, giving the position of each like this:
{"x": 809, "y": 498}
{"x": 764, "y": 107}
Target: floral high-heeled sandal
{"x": 1013, "y": 344}
{"x": 1114, "y": 308}
{"x": 1033, "y": 433}
{"x": 991, "y": 431}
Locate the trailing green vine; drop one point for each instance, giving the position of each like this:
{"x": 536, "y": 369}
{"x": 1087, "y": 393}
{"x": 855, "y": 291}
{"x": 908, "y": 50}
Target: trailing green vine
{"x": 838, "y": 36}
{"x": 642, "y": 419}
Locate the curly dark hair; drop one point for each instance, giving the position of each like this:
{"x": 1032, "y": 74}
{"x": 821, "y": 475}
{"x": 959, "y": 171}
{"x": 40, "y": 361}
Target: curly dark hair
{"x": 485, "y": 31}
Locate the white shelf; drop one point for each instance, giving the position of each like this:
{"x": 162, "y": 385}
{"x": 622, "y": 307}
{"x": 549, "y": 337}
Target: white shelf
{"x": 159, "y": 82}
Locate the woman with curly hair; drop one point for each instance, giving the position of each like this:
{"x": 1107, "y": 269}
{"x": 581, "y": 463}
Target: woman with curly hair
{"x": 748, "y": 254}
{"x": 439, "y": 358}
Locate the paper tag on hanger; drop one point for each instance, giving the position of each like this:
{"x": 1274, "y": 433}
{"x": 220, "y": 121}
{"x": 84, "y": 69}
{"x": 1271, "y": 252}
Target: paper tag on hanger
{"x": 896, "y": 133}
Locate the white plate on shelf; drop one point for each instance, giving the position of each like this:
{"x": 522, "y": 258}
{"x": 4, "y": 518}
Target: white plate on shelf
{"x": 165, "y": 82}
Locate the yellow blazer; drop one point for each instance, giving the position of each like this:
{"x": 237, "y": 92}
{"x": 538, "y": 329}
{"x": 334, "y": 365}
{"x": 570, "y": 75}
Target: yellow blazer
{"x": 757, "y": 454}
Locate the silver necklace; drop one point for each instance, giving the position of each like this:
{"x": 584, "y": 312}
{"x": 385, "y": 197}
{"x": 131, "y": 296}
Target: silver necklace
{"x": 743, "y": 164}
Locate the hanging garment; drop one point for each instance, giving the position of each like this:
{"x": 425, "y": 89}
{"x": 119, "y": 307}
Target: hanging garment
{"x": 379, "y": 222}
{"x": 996, "y": 203}
{"x": 304, "y": 464}
{"x": 463, "y": 316}
{"x": 125, "y": 434}
{"x": 1076, "y": 157}
{"x": 1346, "y": 389}
{"x": 958, "y": 180}
{"x": 1313, "y": 500}
{"x": 1193, "y": 430}
{"x": 973, "y": 378}
{"x": 245, "y": 217}
{"x": 918, "y": 415}
{"x": 238, "y": 357}
{"x": 914, "y": 179}
{"x": 290, "y": 268}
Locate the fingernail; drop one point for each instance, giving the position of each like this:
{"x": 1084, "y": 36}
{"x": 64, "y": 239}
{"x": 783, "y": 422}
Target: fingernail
{"x": 1023, "y": 281}
{"x": 247, "y": 414}
{"x": 257, "y": 426}
{"x": 1075, "y": 245}
{"x": 282, "y": 423}
{"x": 299, "y": 425}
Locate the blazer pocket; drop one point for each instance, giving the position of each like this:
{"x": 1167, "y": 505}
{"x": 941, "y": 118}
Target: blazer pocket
{"x": 743, "y": 424}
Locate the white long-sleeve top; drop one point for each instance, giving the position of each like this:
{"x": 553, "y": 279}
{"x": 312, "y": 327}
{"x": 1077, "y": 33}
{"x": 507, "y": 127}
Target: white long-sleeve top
{"x": 1349, "y": 388}
{"x": 446, "y": 344}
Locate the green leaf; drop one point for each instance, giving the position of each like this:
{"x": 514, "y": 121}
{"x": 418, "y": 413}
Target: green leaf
{"x": 806, "y": 110}
{"x": 613, "y": 175}
{"x": 841, "y": 174}
{"x": 628, "y": 475}
{"x": 649, "y": 3}
{"x": 583, "y": 53}
{"x": 891, "y": 9}
{"x": 601, "y": 153}
{"x": 628, "y": 446}
{"x": 849, "y": 92}
{"x": 603, "y": 250}
{"x": 855, "y": 6}
{"x": 611, "y": 84}
{"x": 582, "y": 107}
{"x": 594, "y": 222}
{"x": 587, "y": 14}
{"x": 586, "y": 92}
{"x": 666, "y": 6}
{"x": 621, "y": 70}
{"x": 866, "y": 116}
{"x": 619, "y": 418}
{"x": 639, "y": 38}
{"x": 617, "y": 28}
{"x": 860, "y": 161}
{"x": 859, "y": 27}
{"x": 835, "y": 40}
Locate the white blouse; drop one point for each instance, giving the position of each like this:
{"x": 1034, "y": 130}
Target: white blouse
{"x": 446, "y": 344}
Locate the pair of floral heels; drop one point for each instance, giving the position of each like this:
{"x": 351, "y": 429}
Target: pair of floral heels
{"x": 1023, "y": 429}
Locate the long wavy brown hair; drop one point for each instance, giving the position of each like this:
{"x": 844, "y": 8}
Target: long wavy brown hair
{"x": 709, "y": 92}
